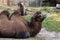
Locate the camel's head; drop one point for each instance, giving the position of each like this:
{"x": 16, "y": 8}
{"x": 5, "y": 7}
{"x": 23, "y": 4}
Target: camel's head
{"x": 38, "y": 16}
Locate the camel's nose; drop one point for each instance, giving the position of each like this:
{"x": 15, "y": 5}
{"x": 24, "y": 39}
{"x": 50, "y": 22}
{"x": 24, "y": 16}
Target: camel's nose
{"x": 44, "y": 15}
{"x": 23, "y": 35}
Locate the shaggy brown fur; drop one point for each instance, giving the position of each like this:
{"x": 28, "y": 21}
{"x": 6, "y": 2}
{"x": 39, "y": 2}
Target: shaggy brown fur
{"x": 17, "y": 13}
{"x": 14, "y": 27}
{"x": 6, "y": 28}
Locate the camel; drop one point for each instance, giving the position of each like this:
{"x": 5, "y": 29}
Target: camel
{"x": 17, "y": 27}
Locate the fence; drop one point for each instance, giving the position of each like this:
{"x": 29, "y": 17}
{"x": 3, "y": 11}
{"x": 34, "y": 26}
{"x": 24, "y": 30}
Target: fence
{"x": 27, "y": 2}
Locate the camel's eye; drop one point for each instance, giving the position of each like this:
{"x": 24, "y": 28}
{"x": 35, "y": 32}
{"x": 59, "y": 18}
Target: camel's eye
{"x": 39, "y": 16}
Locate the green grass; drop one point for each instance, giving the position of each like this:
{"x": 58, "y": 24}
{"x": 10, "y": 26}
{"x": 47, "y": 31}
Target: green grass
{"x": 51, "y": 23}
{"x": 27, "y": 17}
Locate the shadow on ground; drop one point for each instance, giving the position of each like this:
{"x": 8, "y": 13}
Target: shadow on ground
{"x": 43, "y": 35}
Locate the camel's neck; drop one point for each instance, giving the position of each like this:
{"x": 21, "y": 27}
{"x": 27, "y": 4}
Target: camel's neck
{"x": 35, "y": 28}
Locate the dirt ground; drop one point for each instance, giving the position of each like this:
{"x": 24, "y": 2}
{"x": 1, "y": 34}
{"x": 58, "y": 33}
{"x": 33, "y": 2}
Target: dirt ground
{"x": 43, "y": 35}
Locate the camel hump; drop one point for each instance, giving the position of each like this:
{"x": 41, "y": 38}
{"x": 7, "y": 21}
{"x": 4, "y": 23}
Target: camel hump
{"x": 5, "y": 12}
{"x": 15, "y": 13}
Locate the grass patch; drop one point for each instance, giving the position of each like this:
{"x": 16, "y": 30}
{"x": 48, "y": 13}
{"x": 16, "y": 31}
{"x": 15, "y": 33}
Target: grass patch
{"x": 27, "y": 17}
{"x": 51, "y": 24}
